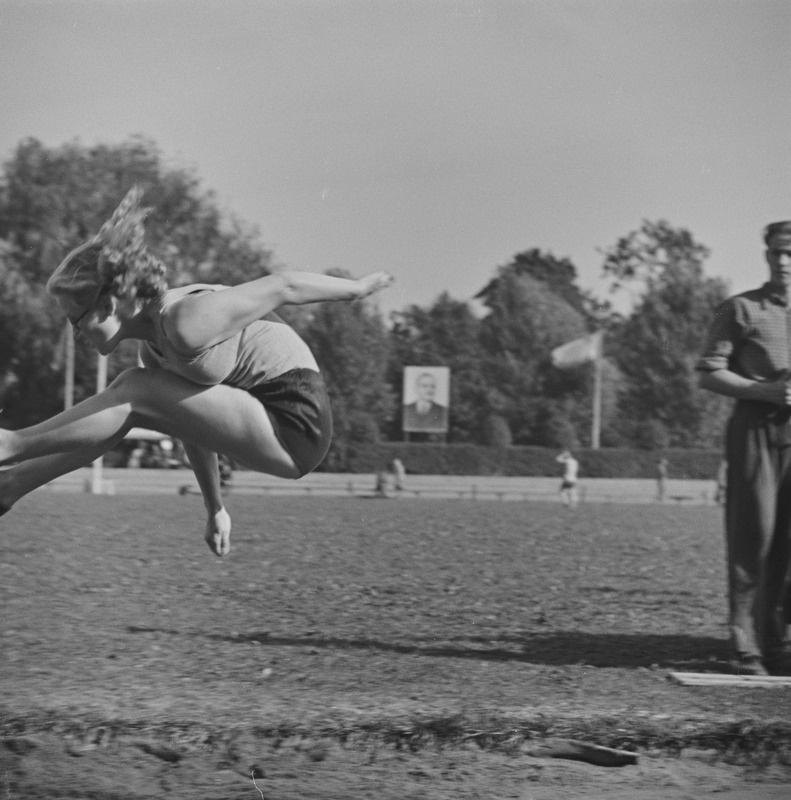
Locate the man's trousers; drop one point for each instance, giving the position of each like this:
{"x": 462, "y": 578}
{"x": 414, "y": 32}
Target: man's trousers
{"x": 758, "y": 527}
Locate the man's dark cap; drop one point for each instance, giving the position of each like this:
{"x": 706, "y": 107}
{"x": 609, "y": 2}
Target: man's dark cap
{"x": 781, "y": 229}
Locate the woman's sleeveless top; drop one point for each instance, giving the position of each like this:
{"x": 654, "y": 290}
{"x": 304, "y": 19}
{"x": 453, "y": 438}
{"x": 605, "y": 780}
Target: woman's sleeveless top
{"x": 261, "y": 352}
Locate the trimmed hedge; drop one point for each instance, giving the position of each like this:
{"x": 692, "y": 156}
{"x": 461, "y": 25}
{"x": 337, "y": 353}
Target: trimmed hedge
{"x": 467, "y": 459}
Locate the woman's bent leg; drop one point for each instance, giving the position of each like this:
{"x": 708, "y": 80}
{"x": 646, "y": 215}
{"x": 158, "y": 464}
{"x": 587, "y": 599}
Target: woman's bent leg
{"x": 23, "y": 478}
{"x": 221, "y": 418}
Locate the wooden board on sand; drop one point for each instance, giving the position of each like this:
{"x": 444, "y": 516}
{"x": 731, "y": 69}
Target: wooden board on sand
{"x": 723, "y": 679}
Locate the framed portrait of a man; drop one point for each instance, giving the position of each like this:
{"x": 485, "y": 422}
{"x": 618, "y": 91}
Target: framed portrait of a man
{"x": 426, "y": 399}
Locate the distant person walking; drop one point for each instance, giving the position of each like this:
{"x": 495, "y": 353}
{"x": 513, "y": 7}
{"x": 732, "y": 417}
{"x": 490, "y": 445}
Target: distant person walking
{"x": 747, "y": 358}
{"x": 661, "y": 479}
{"x": 568, "y": 487}
{"x": 399, "y": 474}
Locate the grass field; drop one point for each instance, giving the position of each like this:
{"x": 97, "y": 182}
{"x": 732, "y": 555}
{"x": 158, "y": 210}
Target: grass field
{"x": 347, "y": 632}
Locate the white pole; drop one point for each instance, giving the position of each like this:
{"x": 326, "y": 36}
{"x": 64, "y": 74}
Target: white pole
{"x": 68, "y": 389}
{"x": 101, "y": 384}
{"x": 597, "y": 375}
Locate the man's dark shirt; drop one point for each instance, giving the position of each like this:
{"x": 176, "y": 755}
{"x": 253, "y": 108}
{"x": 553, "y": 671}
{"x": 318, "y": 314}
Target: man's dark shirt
{"x": 750, "y": 335}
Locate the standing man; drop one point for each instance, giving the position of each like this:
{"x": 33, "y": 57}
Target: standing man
{"x": 568, "y": 486}
{"x": 748, "y": 357}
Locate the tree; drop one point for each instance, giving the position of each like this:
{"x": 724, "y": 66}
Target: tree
{"x": 351, "y": 346}
{"x": 558, "y": 275}
{"x": 444, "y": 334}
{"x": 657, "y": 346}
{"x": 27, "y": 327}
{"x": 51, "y": 199}
{"x": 534, "y": 306}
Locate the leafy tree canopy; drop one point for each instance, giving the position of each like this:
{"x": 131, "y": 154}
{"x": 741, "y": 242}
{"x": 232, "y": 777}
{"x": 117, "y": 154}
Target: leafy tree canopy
{"x": 52, "y": 199}
{"x": 351, "y": 345}
{"x": 446, "y": 333}
{"x": 657, "y": 346}
{"x": 534, "y": 306}
{"x": 558, "y": 275}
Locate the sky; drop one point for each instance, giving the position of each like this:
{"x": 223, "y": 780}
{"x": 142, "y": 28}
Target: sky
{"x": 433, "y": 139}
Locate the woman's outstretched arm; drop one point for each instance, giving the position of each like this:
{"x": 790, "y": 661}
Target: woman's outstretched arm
{"x": 199, "y": 321}
{"x": 205, "y": 465}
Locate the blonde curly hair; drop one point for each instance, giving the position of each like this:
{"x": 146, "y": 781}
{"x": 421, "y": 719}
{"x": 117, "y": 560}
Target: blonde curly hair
{"x": 115, "y": 261}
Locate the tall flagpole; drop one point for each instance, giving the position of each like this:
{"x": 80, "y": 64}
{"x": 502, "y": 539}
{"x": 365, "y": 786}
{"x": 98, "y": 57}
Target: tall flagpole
{"x": 597, "y": 381}
{"x": 586, "y": 349}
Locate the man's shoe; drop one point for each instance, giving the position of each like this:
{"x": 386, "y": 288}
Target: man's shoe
{"x": 745, "y": 664}
{"x": 779, "y": 663}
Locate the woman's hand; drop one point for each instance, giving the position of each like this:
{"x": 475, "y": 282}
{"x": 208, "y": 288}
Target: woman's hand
{"x": 218, "y": 532}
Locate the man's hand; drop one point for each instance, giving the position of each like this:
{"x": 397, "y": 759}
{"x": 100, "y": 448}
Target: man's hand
{"x": 777, "y": 392}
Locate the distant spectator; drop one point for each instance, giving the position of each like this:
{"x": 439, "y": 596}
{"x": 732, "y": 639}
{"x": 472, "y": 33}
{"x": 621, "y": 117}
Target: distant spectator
{"x": 568, "y": 486}
{"x": 166, "y": 449}
{"x": 722, "y": 482}
{"x": 383, "y": 483}
{"x": 661, "y": 479}
{"x": 135, "y": 457}
{"x": 226, "y": 471}
{"x": 152, "y": 456}
{"x": 399, "y": 474}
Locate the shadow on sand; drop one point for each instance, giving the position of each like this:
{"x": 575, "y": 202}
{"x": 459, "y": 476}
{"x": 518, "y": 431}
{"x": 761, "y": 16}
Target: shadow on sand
{"x": 623, "y": 650}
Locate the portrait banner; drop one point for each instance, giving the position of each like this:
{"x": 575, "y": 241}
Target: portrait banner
{"x": 426, "y": 399}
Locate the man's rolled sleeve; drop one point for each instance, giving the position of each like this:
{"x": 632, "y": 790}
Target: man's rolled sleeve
{"x": 721, "y": 341}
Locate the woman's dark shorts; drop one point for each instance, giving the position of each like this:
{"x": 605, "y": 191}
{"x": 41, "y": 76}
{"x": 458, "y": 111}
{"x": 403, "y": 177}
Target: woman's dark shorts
{"x": 299, "y": 408}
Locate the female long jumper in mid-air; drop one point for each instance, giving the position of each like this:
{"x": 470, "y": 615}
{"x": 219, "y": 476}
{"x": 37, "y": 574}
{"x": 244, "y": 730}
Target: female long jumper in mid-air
{"x": 220, "y": 371}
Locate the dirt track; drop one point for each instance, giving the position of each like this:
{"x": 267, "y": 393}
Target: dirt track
{"x": 361, "y": 648}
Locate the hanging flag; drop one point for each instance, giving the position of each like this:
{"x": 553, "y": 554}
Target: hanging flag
{"x": 580, "y": 351}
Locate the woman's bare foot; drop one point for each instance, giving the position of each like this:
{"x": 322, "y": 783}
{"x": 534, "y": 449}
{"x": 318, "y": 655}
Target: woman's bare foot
{"x": 218, "y": 532}
{"x": 374, "y": 282}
